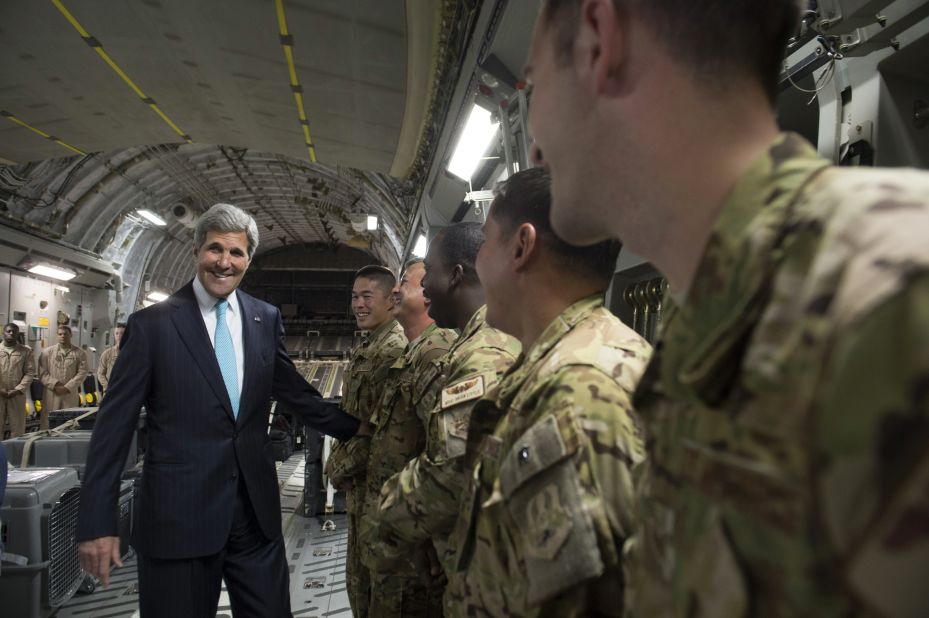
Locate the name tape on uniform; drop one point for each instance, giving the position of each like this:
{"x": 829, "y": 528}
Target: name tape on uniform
{"x": 466, "y": 390}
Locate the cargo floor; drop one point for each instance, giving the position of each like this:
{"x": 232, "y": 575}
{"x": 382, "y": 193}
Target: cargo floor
{"x": 316, "y": 557}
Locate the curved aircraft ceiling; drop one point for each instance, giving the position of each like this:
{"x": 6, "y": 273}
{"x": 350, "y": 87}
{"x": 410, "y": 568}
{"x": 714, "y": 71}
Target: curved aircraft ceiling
{"x": 310, "y": 114}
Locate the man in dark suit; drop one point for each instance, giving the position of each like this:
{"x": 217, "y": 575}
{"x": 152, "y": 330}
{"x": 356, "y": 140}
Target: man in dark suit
{"x": 205, "y": 364}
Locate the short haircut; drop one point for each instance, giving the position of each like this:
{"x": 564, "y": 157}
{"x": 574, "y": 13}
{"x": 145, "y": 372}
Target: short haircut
{"x": 380, "y": 275}
{"x": 13, "y": 324}
{"x": 714, "y": 37}
{"x": 525, "y": 197}
{"x": 227, "y": 219}
{"x": 120, "y": 325}
{"x": 459, "y": 244}
{"x": 412, "y": 262}
{"x": 66, "y": 327}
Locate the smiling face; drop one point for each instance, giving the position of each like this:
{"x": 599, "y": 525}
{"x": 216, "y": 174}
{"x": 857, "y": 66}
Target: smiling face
{"x": 371, "y": 304}
{"x": 493, "y": 269}
{"x": 408, "y": 295}
{"x": 222, "y": 261}
{"x": 436, "y": 285}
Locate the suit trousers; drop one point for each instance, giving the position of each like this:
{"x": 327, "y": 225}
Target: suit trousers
{"x": 255, "y": 571}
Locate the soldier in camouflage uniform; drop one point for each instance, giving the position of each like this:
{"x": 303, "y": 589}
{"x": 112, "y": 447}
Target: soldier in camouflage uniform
{"x": 399, "y": 436}
{"x": 419, "y": 506}
{"x": 787, "y": 405}
{"x": 363, "y": 387}
{"x": 552, "y": 501}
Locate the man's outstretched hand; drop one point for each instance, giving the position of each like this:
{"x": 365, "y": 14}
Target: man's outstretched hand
{"x": 97, "y": 556}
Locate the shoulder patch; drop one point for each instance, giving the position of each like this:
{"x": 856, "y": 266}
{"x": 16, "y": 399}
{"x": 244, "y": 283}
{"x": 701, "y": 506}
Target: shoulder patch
{"x": 465, "y": 390}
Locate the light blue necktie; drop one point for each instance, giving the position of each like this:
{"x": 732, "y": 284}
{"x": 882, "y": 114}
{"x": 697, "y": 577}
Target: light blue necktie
{"x": 225, "y": 355}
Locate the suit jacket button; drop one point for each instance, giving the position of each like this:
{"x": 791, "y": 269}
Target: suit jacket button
{"x": 234, "y": 476}
{"x": 235, "y": 435}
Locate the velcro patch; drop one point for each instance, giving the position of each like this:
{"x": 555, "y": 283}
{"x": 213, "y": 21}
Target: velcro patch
{"x": 466, "y": 390}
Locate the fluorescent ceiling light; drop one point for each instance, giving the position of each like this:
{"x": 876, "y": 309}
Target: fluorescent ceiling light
{"x": 54, "y": 272}
{"x": 372, "y": 223}
{"x": 157, "y": 296}
{"x": 421, "y": 245}
{"x": 62, "y": 288}
{"x": 151, "y": 217}
{"x": 476, "y": 137}
{"x": 148, "y": 303}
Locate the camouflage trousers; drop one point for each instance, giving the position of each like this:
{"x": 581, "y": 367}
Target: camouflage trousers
{"x": 395, "y": 596}
{"x": 357, "y": 579}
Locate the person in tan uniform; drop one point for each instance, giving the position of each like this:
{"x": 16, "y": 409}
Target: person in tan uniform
{"x": 62, "y": 369}
{"x": 17, "y": 370}
{"x": 108, "y": 358}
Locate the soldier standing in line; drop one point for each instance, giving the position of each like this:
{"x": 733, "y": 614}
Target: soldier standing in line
{"x": 419, "y": 505}
{"x": 555, "y": 440}
{"x": 109, "y": 356}
{"x": 363, "y": 387}
{"x": 62, "y": 369}
{"x": 17, "y": 371}
{"x": 787, "y": 403}
{"x": 399, "y": 436}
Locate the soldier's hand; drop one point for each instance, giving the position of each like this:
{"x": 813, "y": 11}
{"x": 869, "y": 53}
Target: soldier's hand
{"x": 427, "y": 565}
{"x": 365, "y": 429}
{"x": 98, "y": 555}
{"x": 60, "y": 389}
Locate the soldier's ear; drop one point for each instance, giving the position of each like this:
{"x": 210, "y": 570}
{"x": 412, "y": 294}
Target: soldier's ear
{"x": 525, "y": 245}
{"x": 456, "y": 277}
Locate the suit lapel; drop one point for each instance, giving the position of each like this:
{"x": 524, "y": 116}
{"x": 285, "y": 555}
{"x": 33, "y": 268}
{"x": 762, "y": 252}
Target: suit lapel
{"x": 189, "y": 324}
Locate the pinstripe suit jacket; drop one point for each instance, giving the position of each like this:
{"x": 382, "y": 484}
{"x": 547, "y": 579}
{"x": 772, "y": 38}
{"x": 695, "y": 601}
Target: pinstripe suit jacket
{"x": 196, "y": 449}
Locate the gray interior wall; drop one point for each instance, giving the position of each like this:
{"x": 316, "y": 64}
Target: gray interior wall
{"x": 87, "y": 307}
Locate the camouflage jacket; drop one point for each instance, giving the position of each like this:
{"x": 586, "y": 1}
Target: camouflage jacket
{"x": 551, "y": 503}
{"x": 787, "y": 405}
{"x": 422, "y": 501}
{"x": 362, "y": 388}
{"x": 413, "y": 383}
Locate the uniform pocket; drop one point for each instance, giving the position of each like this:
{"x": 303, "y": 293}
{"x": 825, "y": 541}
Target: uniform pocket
{"x": 542, "y": 493}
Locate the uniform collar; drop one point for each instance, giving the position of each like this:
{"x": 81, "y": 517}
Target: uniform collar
{"x": 380, "y": 333}
{"x": 564, "y": 323}
{"x": 474, "y": 324}
{"x": 422, "y": 337}
{"x": 704, "y": 328}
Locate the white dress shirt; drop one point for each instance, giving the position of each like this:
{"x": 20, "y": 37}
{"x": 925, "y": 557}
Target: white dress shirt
{"x": 233, "y": 321}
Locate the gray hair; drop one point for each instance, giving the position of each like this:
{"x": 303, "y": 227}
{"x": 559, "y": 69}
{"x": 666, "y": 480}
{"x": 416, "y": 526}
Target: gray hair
{"x": 227, "y": 219}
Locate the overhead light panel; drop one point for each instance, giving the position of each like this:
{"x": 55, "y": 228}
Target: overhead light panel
{"x": 421, "y": 245}
{"x": 157, "y": 297}
{"x": 53, "y": 272}
{"x": 475, "y": 139}
{"x": 372, "y": 223}
{"x": 151, "y": 217}
{"x": 147, "y": 303}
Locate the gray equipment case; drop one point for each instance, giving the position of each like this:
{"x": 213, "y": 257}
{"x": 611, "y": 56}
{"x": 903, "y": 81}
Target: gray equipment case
{"x": 66, "y": 449}
{"x": 39, "y": 516}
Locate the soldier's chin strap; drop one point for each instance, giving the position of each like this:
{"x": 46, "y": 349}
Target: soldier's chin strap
{"x": 59, "y": 431}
